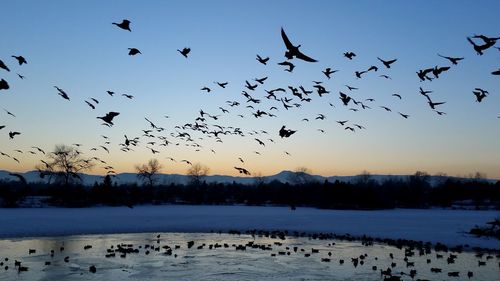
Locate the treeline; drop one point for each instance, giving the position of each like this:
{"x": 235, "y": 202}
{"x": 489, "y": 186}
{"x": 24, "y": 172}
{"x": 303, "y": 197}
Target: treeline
{"x": 365, "y": 193}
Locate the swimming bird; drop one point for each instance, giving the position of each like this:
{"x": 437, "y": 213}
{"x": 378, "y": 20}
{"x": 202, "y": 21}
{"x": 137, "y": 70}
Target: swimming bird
{"x": 293, "y": 51}
{"x": 108, "y": 118}
{"x": 125, "y": 25}
{"x": 133, "y": 51}
{"x": 262, "y": 60}
{"x": 185, "y": 51}
{"x": 20, "y": 59}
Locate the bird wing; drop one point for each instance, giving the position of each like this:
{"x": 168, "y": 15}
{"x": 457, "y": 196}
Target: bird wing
{"x": 288, "y": 44}
{"x": 112, "y": 114}
{"x": 301, "y": 56}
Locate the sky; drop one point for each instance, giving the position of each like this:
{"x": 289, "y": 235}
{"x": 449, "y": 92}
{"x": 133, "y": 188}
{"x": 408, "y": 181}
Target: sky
{"x": 73, "y": 45}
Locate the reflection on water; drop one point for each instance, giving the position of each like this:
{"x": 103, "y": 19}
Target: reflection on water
{"x": 217, "y": 257}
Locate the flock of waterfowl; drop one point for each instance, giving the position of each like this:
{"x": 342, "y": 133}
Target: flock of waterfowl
{"x": 399, "y": 262}
{"x": 209, "y": 125}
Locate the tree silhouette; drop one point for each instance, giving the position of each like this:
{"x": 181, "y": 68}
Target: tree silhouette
{"x": 64, "y": 164}
{"x": 196, "y": 173}
{"x": 148, "y": 172}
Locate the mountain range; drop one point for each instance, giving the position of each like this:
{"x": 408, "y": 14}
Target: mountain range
{"x": 284, "y": 177}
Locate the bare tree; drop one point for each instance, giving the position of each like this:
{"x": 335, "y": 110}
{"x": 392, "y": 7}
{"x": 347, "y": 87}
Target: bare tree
{"x": 148, "y": 172}
{"x": 364, "y": 178}
{"x": 64, "y": 164}
{"x": 196, "y": 173}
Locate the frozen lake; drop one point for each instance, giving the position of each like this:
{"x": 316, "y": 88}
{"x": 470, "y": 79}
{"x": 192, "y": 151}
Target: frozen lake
{"x": 282, "y": 260}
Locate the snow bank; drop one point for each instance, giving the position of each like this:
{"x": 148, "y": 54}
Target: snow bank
{"x": 434, "y": 225}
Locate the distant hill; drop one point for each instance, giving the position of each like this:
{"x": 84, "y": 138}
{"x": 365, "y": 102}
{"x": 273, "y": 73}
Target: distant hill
{"x": 284, "y": 176}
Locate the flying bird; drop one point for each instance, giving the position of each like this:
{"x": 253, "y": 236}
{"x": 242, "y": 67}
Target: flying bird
{"x": 125, "y": 25}
{"x": 13, "y": 134}
{"x": 405, "y": 116}
{"x": 62, "y": 93}
{"x": 111, "y": 93}
{"x": 108, "y": 118}
{"x": 4, "y": 85}
{"x": 20, "y": 76}
{"x": 397, "y": 95}
{"x": 284, "y": 133}
{"x": 128, "y": 96}
{"x": 3, "y": 66}
{"x": 206, "y": 89}
{"x": 387, "y": 63}
{"x": 344, "y": 98}
{"x": 20, "y": 59}
{"x": 349, "y": 55}
{"x": 453, "y": 60}
{"x": 89, "y": 104}
{"x": 480, "y": 94}
{"x": 242, "y": 171}
{"x": 133, "y": 51}
{"x": 496, "y": 72}
{"x": 184, "y": 52}
{"x": 9, "y": 113}
{"x": 262, "y": 60}
{"x": 290, "y": 65}
{"x": 328, "y": 71}
{"x": 293, "y": 51}
{"x": 480, "y": 48}
{"x": 187, "y": 162}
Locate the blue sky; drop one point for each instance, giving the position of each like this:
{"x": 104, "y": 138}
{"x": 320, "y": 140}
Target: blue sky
{"x": 72, "y": 44}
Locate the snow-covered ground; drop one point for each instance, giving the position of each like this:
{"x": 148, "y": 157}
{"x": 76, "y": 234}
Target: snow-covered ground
{"x": 434, "y": 225}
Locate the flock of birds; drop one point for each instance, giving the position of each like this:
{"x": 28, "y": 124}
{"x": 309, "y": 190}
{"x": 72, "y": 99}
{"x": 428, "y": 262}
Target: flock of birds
{"x": 403, "y": 259}
{"x": 282, "y": 98}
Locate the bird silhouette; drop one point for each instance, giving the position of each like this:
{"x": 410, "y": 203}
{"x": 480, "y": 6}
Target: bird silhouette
{"x": 260, "y": 80}
{"x": 350, "y": 88}
{"x": 422, "y": 74}
{"x": 453, "y": 60}
{"x": 3, "y": 66}
{"x": 62, "y": 93}
{"x": 20, "y": 59}
{"x": 290, "y": 65}
{"x": 359, "y": 73}
{"x": 111, "y": 93}
{"x": 438, "y": 70}
{"x": 206, "y": 89}
{"x": 328, "y": 71}
{"x": 387, "y": 63}
{"x": 373, "y": 67}
{"x": 108, "y": 118}
{"x": 262, "y": 60}
{"x": 260, "y": 142}
{"x": 349, "y": 55}
{"x": 185, "y": 52}
{"x": 187, "y": 162}
{"x": 125, "y": 25}
{"x": 221, "y": 84}
{"x": 385, "y": 76}
{"x": 397, "y": 95}
{"x": 242, "y": 171}
{"x": 133, "y": 51}
{"x": 433, "y": 104}
{"x": 480, "y": 48}
{"x": 89, "y": 104}
{"x": 128, "y": 96}
{"x": 293, "y": 51}
{"x": 20, "y": 76}
{"x": 284, "y": 133}
{"x": 405, "y": 116}
{"x": 13, "y": 134}
{"x": 250, "y": 86}
{"x": 4, "y": 85}
{"x": 480, "y": 94}
{"x": 496, "y": 72}
{"x": 440, "y": 112}
{"x": 344, "y": 98}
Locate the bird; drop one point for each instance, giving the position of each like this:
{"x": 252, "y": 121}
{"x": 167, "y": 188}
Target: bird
{"x": 3, "y": 66}
{"x": 480, "y": 48}
{"x": 9, "y": 113}
{"x": 133, "y": 51}
{"x": 496, "y": 72}
{"x": 385, "y": 76}
{"x": 260, "y": 142}
{"x": 13, "y": 134}
{"x": 344, "y": 98}
{"x": 108, "y": 118}
{"x": 438, "y": 70}
{"x": 373, "y": 67}
{"x": 480, "y": 94}
{"x": 440, "y": 112}
{"x": 125, "y": 25}
{"x": 328, "y": 71}
{"x": 242, "y": 171}
{"x": 290, "y": 65}
{"x": 187, "y": 162}
{"x": 250, "y": 86}
{"x": 387, "y": 63}
{"x": 386, "y": 108}
{"x": 397, "y": 95}
{"x": 262, "y": 60}
{"x": 359, "y": 73}
{"x": 62, "y": 93}
{"x": 221, "y": 84}
{"x": 206, "y": 89}
{"x": 284, "y": 133}
{"x": 20, "y": 59}
{"x": 128, "y": 96}
{"x": 4, "y": 85}
{"x": 260, "y": 80}
{"x": 350, "y": 88}
{"x": 349, "y": 55}
{"x": 39, "y": 149}
{"x": 293, "y": 51}
{"x": 20, "y": 76}
{"x": 405, "y": 116}
{"x": 20, "y": 177}
{"x": 111, "y": 93}
{"x": 453, "y": 60}
{"x": 185, "y": 51}
{"x": 433, "y": 104}
{"x": 89, "y": 104}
